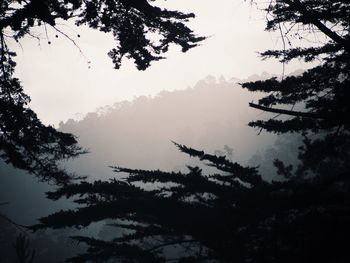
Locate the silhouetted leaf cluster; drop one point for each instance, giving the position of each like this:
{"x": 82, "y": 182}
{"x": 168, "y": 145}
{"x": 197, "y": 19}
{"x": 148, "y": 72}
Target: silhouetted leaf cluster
{"x": 322, "y": 93}
{"x": 25, "y": 142}
{"x": 129, "y": 21}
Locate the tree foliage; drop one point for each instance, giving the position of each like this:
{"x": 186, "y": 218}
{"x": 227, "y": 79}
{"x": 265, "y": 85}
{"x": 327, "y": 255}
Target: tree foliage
{"x": 229, "y": 216}
{"x": 24, "y": 141}
{"x": 321, "y": 92}
{"x": 235, "y": 215}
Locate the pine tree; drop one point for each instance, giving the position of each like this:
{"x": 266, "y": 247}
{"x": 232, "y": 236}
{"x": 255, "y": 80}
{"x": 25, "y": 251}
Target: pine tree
{"x": 322, "y": 93}
{"x": 233, "y": 215}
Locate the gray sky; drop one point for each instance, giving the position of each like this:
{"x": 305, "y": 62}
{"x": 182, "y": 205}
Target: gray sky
{"x": 62, "y": 86}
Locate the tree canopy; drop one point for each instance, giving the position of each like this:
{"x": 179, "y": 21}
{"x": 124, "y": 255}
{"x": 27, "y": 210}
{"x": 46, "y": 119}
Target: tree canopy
{"x": 321, "y": 92}
{"x": 232, "y": 215}
{"x": 142, "y": 31}
{"x": 235, "y": 215}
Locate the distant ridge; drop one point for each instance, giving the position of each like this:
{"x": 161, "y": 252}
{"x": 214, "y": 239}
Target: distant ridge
{"x": 138, "y": 134}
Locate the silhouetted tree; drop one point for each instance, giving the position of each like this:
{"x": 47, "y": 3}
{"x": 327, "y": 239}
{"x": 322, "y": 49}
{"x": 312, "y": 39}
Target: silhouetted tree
{"x": 322, "y": 93}
{"x": 24, "y": 141}
{"x": 230, "y": 216}
{"x": 235, "y": 215}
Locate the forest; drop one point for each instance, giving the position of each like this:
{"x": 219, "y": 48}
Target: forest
{"x": 248, "y": 169}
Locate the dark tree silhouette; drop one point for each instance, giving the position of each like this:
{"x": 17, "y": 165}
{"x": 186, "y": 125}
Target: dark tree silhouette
{"x": 230, "y": 216}
{"x": 24, "y": 141}
{"x": 235, "y": 215}
{"x": 322, "y": 93}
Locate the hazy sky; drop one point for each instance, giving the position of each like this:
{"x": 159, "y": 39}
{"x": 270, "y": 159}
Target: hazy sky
{"x": 62, "y": 86}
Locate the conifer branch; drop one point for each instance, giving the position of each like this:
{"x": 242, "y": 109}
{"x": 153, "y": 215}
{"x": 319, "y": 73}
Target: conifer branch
{"x": 286, "y": 112}
{"x": 309, "y": 16}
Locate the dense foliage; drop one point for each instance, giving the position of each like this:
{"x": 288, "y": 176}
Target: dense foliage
{"x": 232, "y": 215}
{"x": 229, "y": 216}
{"x": 322, "y": 93}
{"x": 235, "y": 215}
{"x": 24, "y": 141}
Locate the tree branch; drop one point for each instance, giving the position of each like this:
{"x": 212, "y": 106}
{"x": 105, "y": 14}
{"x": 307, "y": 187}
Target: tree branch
{"x": 172, "y": 243}
{"x": 286, "y": 112}
{"x": 308, "y": 15}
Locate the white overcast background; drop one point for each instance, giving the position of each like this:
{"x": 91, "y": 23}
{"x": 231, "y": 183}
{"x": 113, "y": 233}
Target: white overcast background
{"x": 61, "y": 85}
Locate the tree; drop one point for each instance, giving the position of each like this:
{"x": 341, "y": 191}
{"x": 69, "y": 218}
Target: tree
{"x": 231, "y": 216}
{"x": 25, "y": 142}
{"x": 322, "y": 92}
{"x": 235, "y": 215}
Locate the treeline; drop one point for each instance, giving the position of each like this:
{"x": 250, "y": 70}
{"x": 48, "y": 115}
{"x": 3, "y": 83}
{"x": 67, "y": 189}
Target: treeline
{"x": 212, "y": 115}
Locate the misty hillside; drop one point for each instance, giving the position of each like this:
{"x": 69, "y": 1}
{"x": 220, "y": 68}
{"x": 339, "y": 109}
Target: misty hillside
{"x": 213, "y": 115}
{"x": 124, "y": 138}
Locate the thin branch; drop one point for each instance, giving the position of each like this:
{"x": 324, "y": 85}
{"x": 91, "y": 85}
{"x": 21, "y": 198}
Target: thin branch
{"x": 21, "y": 228}
{"x": 286, "y": 112}
{"x": 72, "y": 40}
{"x": 172, "y": 243}
{"x": 284, "y": 52}
{"x": 309, "y": 16}
{"x": 4, "y": 73}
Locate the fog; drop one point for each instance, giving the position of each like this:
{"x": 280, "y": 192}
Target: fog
{"x": 139, "y": 134}
{"x": 136, "y": 118}
{"x": 63, "y": 85}
{"x": 213, "y": 115}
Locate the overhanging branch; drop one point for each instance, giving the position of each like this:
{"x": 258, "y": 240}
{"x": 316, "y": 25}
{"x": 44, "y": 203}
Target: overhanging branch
{"x": 308, "y": 15}
{"x": 287, "y": 112}
{"x": 175, "y": 242}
